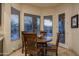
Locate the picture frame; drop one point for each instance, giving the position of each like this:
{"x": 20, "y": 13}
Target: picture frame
{"x": 74, "y": 21}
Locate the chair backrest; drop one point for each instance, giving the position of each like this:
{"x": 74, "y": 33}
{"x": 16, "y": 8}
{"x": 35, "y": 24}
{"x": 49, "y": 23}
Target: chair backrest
{"x": 43, "y": 33}
{"x": 57, "y": 42}
{"x": 23, "y": 33}
{"x": 31, "y": 39}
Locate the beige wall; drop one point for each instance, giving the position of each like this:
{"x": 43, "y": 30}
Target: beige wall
{"x": 75, "y": 32}
{"x": 55, "y": 11}
{"x": 71, "y": 35}
{"x": 9, "y": 45}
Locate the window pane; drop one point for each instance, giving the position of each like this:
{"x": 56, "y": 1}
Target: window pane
{"x": 15, "y": 24}
{"x": 61, "y": 26}
{"x": 48, "y": 27}
{"x": 38, "y": 25}
{"x": 28, "y": 24}
{"x": 14, "y": 27}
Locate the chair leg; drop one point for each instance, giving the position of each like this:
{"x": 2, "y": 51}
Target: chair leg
{"x": 22, "y": 48}
{"x": 25, "y": 51}
{"x": 56, "y": 53}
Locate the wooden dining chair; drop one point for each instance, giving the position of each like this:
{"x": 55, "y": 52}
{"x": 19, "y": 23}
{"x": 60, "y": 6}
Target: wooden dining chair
{"x": 31, "y": 44}
{"x": 54, "y": 48}
{"x": 23, "y": 47}
{"x": 42, "y": 43}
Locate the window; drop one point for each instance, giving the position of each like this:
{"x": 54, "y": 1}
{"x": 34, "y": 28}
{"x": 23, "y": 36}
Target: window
{"x": 15, "y": 24}
{"x": 38, "y": 24}
{"x": 32, "y": 23}
{"x": 28, "y": 24}
{"x": 61, "y": 23}
{"x": 48, "y": 25}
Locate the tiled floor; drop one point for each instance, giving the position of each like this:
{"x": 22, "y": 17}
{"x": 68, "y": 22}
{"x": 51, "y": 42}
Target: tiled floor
{"x": 61, "y": 52}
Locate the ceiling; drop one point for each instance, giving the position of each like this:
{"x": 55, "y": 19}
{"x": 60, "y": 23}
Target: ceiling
{"x": 44, "y": 4}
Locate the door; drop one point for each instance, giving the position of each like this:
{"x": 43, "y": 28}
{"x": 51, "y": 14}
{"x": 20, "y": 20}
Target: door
{"x": 61, "y": 28}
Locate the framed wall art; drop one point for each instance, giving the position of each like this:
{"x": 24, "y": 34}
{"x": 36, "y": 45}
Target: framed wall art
{"x": 74, "y": 21}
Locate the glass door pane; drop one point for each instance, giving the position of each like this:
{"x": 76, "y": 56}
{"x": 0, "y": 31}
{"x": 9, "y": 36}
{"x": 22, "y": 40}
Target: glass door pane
{"x": 28, "y": 24}
{"x": 48, "y": 27}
